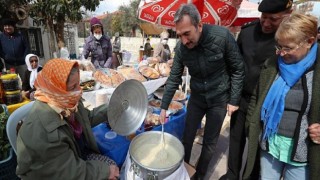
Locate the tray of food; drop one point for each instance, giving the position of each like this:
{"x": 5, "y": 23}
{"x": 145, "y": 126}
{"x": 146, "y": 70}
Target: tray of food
{"x": 175, "y": 107}
{"x": 155, "y": 103}
{"x": 149, "y": 72}
{"x": 178, "y": 95}
{"x": 88, "y": 85}
{"x": 152, "y": 119}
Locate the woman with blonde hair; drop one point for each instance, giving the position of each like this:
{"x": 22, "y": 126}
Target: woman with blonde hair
{"x": 283, "y": 115}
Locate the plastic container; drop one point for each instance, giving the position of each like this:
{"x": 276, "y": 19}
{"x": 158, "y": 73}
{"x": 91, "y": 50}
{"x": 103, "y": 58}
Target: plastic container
{"x": 13, "y": 97}
{"x": 110, "y": 135}
{"x": 10, "y": 82}
{"x": 8, "y": 167}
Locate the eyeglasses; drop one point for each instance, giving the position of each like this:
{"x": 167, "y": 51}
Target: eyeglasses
{"x": 33, "y": 61}
{"x": 286, "y": 50}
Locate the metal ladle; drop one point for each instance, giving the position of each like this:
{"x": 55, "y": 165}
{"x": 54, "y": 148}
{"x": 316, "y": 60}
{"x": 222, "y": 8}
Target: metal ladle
{"x": 163, "y": 154}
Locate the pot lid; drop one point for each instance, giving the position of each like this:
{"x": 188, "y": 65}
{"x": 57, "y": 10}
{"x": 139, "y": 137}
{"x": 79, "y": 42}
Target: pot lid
{"x": 127, "y": 107}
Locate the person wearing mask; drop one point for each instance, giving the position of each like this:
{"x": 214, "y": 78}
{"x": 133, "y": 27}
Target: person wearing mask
{"x": 32, "y": 62}
{"x": 147, "y": 48}
{"x": 116, "y": 47}
{"x": 162, "y": 51}
{"x": 98, "y": 45}
{"x": 55, "y": 140}
{"x": 283, "y": 114}
{"x": 256, "y": 42}
{"x": 13, "y": 48}
{"x": 216, "y": 68}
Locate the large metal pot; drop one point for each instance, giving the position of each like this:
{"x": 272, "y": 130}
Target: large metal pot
{"x": 138, "y": 145}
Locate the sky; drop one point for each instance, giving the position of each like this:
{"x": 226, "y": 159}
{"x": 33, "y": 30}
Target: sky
{"x": 110, "y": 6}
{"x": 113, "y": 5}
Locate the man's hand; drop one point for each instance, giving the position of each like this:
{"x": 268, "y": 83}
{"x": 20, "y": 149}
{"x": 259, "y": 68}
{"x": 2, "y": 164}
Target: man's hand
{"x": 314, "y": 132}
{"x": 163, "y": 116}
{"x": 231, "y": 109}
{"x": 114, "y": 172}
{"x": 170, "y": 62}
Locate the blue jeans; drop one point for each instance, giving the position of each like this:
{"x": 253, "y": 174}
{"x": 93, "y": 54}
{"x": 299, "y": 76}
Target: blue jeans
{"x": 273, "y": 169}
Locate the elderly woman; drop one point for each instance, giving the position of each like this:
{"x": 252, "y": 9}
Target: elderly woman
{"x": 283, "y": 116}
{"x": 98, "y": 45}
{"x": 55, "y": 141}
{"x": 32, "y": 62}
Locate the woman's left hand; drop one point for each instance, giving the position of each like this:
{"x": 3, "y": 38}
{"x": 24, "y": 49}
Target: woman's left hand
{"x": 314, "y": 132}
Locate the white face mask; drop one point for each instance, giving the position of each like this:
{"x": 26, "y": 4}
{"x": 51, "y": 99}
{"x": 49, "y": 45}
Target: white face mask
{"x": 164, "y": 41}
{"x": 97, "y": 36}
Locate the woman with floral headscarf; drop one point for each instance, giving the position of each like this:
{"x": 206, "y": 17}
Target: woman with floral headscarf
{"x": 33, "y": 67}
{"x": 55, "y": 141}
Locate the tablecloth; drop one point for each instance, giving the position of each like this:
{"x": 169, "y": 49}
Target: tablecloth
{"x": 151, "y": 86}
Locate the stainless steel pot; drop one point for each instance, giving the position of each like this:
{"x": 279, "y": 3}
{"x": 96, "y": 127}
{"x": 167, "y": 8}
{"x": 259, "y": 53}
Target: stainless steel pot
{"x": 153, "y": 137}
{"x": 127, "y": 107}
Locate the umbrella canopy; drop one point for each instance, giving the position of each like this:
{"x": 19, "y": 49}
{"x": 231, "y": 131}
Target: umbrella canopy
{"x": 219, "y": 12}
{"x": 247, "y": 12}
{"x": 151, "y": 29}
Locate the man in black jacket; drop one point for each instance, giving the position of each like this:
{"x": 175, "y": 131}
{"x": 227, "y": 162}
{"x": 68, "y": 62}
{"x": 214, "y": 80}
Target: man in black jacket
{"x": 216, "y": 68}
{"x": 256, "y": 42}
{"x": 13, "y": 48}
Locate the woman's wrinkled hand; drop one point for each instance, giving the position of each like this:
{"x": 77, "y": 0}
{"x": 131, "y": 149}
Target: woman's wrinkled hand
{"x": 25, "y": 94}
{"x": 314, "y": 132}
{"x": 114, "y": 172}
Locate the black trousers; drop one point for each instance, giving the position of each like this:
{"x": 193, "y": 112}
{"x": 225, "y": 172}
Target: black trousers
{"x": 237, "y": 142}
{"x": 215, "y": 115}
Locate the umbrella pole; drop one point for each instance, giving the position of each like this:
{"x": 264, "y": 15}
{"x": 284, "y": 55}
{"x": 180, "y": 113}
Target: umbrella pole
{"x": 142, "y": 38}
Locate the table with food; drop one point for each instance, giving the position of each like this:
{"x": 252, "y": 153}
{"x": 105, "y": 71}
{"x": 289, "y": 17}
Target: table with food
{"x": 133, "y": 136}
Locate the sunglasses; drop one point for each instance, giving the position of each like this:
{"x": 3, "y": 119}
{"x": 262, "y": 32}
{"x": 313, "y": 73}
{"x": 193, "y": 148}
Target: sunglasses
{"x": 33, "y": 60}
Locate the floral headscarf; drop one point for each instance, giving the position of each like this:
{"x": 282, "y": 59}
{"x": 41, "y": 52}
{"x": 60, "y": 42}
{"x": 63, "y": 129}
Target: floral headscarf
{"x": 51, "y": 85}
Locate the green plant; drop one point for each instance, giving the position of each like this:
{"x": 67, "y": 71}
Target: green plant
{"x": 4, "y": 142}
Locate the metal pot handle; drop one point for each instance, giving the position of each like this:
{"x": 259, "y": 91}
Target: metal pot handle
{"x": 135, "y": 169}
{"x": 152, "y": 176}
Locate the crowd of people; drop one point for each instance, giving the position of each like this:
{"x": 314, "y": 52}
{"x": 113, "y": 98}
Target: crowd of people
{"x": 266, "y": 80}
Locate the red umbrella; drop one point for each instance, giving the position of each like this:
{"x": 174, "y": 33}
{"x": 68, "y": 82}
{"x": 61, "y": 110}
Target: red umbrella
{"x": 220, "y": 12}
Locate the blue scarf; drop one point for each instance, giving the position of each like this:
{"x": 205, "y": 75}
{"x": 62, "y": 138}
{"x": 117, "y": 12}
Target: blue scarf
{"x": 273, "y": 105}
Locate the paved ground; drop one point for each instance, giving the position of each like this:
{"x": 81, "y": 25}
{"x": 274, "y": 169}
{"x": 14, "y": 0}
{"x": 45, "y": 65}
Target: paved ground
{"x": 218, "y": 164}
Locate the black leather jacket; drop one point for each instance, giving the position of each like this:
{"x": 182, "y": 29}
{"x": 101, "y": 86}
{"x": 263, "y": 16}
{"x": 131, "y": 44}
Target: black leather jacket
{"x": 215, "y": 65}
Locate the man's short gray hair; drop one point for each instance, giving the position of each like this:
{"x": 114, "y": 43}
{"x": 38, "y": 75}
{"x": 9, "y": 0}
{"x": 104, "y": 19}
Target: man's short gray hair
{"x": 190, "y": 10}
